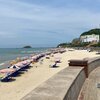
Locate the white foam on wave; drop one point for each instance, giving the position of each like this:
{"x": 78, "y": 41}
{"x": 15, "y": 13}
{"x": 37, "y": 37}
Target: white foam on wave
{"x": 2, "y": 64}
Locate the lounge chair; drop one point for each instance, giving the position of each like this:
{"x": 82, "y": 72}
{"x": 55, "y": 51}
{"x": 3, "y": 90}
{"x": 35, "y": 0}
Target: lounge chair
{"x": 54, "y": 65}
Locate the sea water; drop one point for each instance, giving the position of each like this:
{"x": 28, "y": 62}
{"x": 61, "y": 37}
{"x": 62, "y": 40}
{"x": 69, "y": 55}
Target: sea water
{"x": 8, "y": 54}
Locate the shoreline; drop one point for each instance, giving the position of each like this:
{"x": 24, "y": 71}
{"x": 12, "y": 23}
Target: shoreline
{"x": 6, "y": 63}
{"x": 37, "y": 75}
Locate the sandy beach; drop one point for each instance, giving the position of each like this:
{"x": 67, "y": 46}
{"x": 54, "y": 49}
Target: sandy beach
{"x": 38, "y": 73}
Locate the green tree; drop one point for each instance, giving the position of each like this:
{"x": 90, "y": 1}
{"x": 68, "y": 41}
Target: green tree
{"x": 76, "y": 41}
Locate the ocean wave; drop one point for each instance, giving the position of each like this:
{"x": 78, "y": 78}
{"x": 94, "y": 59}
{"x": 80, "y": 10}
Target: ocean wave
{"x": 2, "y": 64}
{"x": 27, "y": 52}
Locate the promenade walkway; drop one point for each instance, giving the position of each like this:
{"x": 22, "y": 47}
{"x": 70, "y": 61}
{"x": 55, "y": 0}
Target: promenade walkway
{"x": 90, "y": 91}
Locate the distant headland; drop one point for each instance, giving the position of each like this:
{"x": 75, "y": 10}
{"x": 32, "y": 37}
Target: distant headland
{"x": 89, "y": 38}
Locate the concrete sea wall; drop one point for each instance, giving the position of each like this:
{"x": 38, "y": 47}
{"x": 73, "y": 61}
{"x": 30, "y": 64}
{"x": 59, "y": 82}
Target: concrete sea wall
{"x": 65, "y": 85}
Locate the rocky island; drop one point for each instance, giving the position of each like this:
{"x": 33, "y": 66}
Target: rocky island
{"x": 27, "y": 47}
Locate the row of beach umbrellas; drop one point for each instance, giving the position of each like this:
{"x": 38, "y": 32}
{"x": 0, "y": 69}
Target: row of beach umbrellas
{"x": 17, "y": 67}
{"x": 8, "y": 72}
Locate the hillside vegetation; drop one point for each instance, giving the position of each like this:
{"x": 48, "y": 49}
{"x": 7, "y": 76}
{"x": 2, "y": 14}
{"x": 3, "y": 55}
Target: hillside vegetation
{"x": 77, "y": 43}
{"x": 92, "y": 31}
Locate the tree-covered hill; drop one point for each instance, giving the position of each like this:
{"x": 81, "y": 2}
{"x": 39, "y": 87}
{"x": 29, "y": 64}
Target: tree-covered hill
{"x": 27, "y": 47}
{"x": 77, "y": 43}
{"x": 92, "y": 31}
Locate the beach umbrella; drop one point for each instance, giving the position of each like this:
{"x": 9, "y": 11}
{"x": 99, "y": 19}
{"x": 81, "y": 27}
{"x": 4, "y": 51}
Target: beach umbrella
{"x": 34, "y": 58}
{"x": 7, "y": 70}
{"x": 19, "y": 64}
{"x": 26, "y": 62}
{"x": 15, "y": 67}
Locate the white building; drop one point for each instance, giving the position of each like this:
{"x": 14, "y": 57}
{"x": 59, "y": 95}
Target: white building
{"x": 90, "y": 38}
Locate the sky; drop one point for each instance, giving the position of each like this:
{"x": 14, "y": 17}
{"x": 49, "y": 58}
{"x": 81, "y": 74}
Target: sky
{"x": 45, "y": 23}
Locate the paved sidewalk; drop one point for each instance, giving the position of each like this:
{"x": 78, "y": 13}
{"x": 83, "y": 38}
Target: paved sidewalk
{"x": 90, "y": 91}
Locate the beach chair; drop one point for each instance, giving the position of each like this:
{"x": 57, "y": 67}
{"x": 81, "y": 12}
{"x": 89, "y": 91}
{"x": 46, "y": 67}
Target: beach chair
{"x": 54, "y": 65}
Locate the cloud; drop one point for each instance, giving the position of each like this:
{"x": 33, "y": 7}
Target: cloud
{"x": 45, "y": 23}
